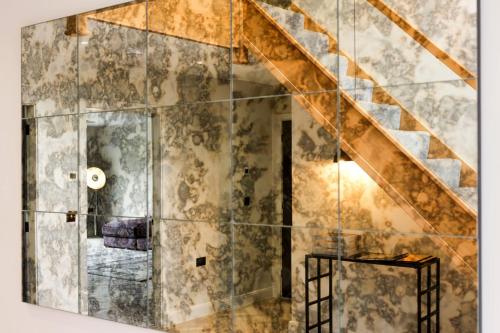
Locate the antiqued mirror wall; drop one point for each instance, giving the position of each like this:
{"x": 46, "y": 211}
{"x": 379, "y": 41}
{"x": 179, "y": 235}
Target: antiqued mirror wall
{"x": 247, "y": 166}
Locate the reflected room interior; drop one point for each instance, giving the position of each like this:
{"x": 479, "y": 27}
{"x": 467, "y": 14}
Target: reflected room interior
{"x": 119, "y": 251}
{"x": 253, "y": 166}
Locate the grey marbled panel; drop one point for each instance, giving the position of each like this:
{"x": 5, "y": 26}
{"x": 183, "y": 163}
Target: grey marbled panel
{"x": 257, "y": 256}
{"x": 256, "y": 150}
{"x": 452, "y": 24}
{"x": 257, "y": 302}
{"x": 119, "y": 300}
{"x": 112, "y": 67}
{"x": 57, "y": 262}
{"x": 57, "y": 164}
{"x": 117, "y": 143}
{"x": 415, "y": 142}
{"x": 315, "y": 178}
{"x": 190, "y": 292}
{"x": 49, "y": 68}
{"x": 327, "y": 14}
{"x": 184, "y": 71}
{"x": 195, "y": 162}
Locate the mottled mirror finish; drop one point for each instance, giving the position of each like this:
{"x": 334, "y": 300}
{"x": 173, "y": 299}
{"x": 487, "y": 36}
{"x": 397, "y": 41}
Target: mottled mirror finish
{"x": 269, "y": 166}
{"x": 189, "y": 58}
{"x": 112, "y": 53}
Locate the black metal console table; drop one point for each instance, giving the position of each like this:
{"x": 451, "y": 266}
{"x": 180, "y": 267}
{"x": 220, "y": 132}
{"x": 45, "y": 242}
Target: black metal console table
{"x": 409, "y": 261}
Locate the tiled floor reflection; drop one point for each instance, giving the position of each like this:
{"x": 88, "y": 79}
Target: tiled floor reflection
{"x": 219, "y": 322}
{"x": 118, "y": 283}
{"x": 265, "y": 316}
{"x": 116, "y": 263}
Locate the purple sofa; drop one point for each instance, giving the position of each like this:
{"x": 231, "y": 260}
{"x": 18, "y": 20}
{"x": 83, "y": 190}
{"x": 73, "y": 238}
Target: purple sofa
{"x": 127, "y": 233}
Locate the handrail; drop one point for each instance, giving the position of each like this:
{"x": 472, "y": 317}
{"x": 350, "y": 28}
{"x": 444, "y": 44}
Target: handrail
{"x": 426, "y": 42}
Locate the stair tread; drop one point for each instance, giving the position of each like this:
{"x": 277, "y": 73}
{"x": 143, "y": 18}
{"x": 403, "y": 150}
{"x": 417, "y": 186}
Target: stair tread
{"x": 388, "y": 116}
{"x": 351, "y": 83}
{"x": 469, "y": 195}
{"x": 416, "y": 142}
{"x": 315, "y": 42}
{"x": 291, "y": 20}
{"x": 447, "y": 169}
{"x": 330, "y": 61}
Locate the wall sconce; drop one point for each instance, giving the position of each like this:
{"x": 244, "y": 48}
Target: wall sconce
{"x": 349, "y": 169}
{"x": 342, "y": 157}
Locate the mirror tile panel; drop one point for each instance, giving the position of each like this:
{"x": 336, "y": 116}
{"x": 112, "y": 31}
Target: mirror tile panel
{"x": 243, "y": 166}
{"x": 188, "y": 51}
{"x": 117, "y": 142}
{"x": 112, "y": 52}
{"x": 50, "y": 164}
{"x": 47, "y": 48}
{"x": 194, "y": 148}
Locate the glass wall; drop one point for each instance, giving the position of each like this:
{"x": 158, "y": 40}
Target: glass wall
{"x": 254, "y": 166}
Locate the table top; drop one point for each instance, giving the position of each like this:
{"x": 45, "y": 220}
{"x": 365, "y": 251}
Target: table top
{"x": 403, "y": 260}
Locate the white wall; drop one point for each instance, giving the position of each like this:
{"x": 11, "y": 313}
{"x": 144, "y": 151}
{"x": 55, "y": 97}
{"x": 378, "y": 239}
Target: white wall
{"x": 18, "y": 317}
{"x": 490, "y": 136}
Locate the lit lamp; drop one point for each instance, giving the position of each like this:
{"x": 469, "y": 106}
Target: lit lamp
{"x": 349, "y": 168}
{"x": 96, "y": 179}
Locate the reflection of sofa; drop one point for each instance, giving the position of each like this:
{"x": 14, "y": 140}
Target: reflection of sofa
{"x": 127, "y": 233}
